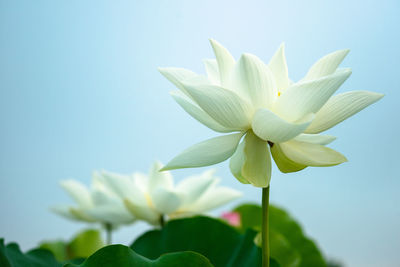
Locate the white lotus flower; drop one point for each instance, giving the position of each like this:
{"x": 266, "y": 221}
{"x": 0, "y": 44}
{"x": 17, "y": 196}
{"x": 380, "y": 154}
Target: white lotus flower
{"x": 275, "y": 115}
{"x": 154, "y": 196}
{"x": 97, "y": 205}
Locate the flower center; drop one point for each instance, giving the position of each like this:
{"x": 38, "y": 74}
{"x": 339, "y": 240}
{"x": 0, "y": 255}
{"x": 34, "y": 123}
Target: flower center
{"x": 279, "y": 93}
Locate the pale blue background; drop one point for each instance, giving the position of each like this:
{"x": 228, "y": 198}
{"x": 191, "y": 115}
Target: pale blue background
{"x": 79, "y": 90}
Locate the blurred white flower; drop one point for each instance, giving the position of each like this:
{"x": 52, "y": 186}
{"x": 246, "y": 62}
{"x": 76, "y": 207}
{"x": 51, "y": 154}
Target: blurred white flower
{"x": 97, "y": 204}
{"x": 154, "y": 196}
{"x": 261, "y": 103}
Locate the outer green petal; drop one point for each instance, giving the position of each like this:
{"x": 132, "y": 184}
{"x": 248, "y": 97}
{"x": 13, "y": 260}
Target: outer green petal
{"x": 308, "y": 97}
{"x": 326, "y": 65}
{"x": 236, "y": 163}
{"x": 279, "y": 69}
{"x": 206, "y": 153}
{"x": 196, "y": 112}
{"x": 223, "y": 105}
{"x": 283, "y": 162}
{"x": 257, "y": 166}
{"x": 225, "y": 61}
{"x": 311, "y": 154}
{"x": 270, "y": 127}
{"x": 341, "y": 107}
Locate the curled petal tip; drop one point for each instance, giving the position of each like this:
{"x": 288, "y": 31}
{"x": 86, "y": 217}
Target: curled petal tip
{"x": 342, "y": 52}
{"x": 343, "y": 160}
{"x": 161, "y": 69}
{"x": 347, "y": 70}
{"x": 346, "y": 51}
{"x": 344, "y": 71}
{"x": 165, "y": 168}
{"x": 376, "y": 96}
{"x": 215, "y": 44}
{"x": 247, "y": 55}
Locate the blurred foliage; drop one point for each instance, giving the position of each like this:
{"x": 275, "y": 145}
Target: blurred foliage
{"x": 122, "y": 256}
{"x": 11, "y": 256}
{"x": 193, "y": 242}
{"x": 219, "y": 242}
{"x": 288, "y": 244}
{"x": 82, "y": 245}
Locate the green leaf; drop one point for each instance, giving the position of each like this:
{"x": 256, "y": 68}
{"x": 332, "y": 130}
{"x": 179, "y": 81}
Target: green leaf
{"x": 220, "y": 243}
{"x": 11, "y": 256}
{"x": 82, "y": 245}
{"x": 58, "y": 248}
{"x": 85, "y": 244}
{"x": 122, "y": 256}
{"x": 289, "y": 246}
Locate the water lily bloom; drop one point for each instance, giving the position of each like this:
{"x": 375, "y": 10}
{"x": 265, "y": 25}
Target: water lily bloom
{"x": 95, "y": 205}
{"x": 154, "y": 196}
{"x": 265, "y": 113}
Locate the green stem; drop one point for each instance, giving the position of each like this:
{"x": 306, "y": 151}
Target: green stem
{"x": 108, "y": 227}
{"x": 265, "y": 229}
{"x": 162, "y": 220}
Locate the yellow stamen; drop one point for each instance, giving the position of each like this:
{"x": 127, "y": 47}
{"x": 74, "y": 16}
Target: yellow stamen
{"x": 148, "y": 200}
{"x": 279, "y": 93}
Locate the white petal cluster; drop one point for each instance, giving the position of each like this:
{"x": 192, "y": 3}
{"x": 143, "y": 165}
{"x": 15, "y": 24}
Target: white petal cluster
{"x": 275, "y": 115}
{"x": 117, "y": 199}
{"x": 154, "y": 196}
{"x": 95, "y": 205}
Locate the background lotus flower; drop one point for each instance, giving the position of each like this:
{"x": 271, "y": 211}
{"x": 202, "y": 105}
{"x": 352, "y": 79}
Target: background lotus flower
{"x": 97, "y": 205}
{"x": 233, "y": 218}
{"x": 154, "y": 196}
{"x": 275, "y": 115}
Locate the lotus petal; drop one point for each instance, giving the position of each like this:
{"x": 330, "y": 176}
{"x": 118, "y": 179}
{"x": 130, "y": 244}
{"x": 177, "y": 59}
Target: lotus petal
{"x": 303, "y": 98}
{"x": 326, "y": 65}
{"x": 225, "y": 61}
{"x": 196, "y": 112}
{"x": 206, "y": 153}
{"x": 279, "y": 69}
{"x": 311, "y": 154}
{"x": 341, "y": 107}
{"x": 270, "y": 127}
{"x": 224, "y": 106}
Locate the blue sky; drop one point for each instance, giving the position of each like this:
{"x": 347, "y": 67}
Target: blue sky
{"x": 80, "y": 90}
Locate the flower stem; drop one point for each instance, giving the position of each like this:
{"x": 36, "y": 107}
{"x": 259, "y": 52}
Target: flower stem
{"x": 162, "y": 220}
{"x": 265, "y": 229}
{"x": 108, "y": 227}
